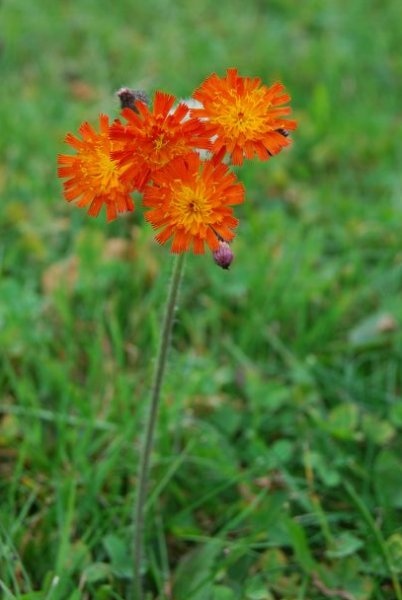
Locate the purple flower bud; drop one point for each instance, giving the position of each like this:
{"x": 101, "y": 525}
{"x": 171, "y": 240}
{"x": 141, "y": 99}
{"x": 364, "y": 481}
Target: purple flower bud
{"x": 129, "y": 97}
{"x": 224, "y": 255}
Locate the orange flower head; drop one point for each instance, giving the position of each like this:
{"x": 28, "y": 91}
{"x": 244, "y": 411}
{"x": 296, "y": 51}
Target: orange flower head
{"x": 151, "y": 139}
{"x": 94, "y": 177}
{"x": 190, "y": 200}
{"x": 245, "y": 116}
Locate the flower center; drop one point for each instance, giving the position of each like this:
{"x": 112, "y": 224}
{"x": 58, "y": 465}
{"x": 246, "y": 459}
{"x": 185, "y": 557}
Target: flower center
{"x": 191, "y": 207}
{"x": 100, "y": 170}
{"x": 240, "y": 116}
{"x": 159, "y": 142}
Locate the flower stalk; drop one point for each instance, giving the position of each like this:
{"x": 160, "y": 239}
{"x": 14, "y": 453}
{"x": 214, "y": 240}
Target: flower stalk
{"x": 147, "y": 442}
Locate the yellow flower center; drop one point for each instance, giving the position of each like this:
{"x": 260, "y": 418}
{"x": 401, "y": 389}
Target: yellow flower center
{"x": 100, "y": 170}
{"x": 159, "y": 142}
{"x": 161, "y": 148}
{"x": 191, "y": 207}
{"x": 240, "y": 116}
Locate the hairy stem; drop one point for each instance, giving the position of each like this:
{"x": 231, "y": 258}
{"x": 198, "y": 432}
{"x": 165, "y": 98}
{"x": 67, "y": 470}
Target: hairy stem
{"x": 147, "y": 443}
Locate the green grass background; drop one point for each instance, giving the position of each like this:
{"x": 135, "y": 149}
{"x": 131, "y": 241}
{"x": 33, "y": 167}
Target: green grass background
{"x": 277, "y": 472}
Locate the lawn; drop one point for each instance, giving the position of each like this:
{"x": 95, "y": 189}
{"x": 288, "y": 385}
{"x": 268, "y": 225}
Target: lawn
{"x": 277, "y": 471}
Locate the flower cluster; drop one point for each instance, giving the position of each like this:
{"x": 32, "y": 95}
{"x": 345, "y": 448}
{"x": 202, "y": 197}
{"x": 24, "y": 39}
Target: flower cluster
{"x": 177, "y": 155}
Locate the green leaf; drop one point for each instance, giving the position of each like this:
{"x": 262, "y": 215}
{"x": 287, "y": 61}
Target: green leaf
{"x": 281, "y": 452}
{"x": 193, "y": 578}
{"x": 98, "y": 571}
{"x": 227, "y": 420}
{"x": 300, "y": 546}
{"x": 257, "y": 589}
{"x": 342, "y": 421}
{"x": 388, "y": 478}
{"x": 394, "y": 548}
{"x": 345, "y": 545}
{"x": 119, "y": 555}
{"x": 377, "y": 430}
{"x": 327, "y": 473}
{"x": 222, "y": 592}
{"x": 273, "y": 563}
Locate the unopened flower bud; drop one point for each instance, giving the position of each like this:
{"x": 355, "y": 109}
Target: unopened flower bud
{"x": 223, "y": 256}
{"x": 129, "y": 97}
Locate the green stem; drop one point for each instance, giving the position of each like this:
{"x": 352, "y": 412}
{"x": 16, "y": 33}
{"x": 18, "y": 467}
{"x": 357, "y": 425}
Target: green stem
{"x": 147, "y": 443}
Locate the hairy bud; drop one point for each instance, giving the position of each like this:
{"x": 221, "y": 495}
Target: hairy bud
{"x": 224, "y": 255}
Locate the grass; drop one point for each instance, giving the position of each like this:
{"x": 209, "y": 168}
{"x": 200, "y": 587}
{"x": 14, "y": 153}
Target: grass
{"x": 278, "y": 471}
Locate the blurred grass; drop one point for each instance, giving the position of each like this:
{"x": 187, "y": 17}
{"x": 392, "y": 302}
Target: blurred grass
{"x": 278, "y": 470}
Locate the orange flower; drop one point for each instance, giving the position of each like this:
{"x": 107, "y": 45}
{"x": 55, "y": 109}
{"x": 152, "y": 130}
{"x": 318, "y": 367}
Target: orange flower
{"x": 151, "y": 139}
{"x": 246, "y": 117}
{"x": 93, "y": 176}
{"x": 191, "y": 201}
